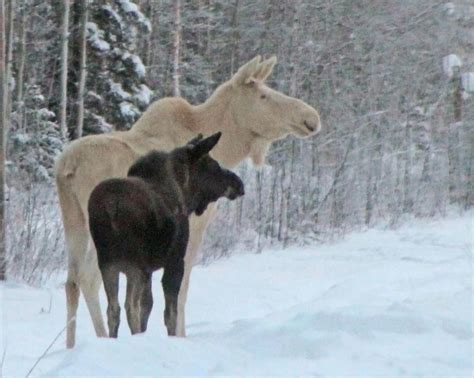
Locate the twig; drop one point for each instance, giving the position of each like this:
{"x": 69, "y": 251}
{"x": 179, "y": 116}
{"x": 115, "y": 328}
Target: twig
{"x": 3, "y": 360}
{"x": 49, "y": 347}
{"x": 48, "y": 311}
{"x": 336, "y": 176}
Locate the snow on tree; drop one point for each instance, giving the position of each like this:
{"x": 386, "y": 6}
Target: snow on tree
{"x": 33, "y": 149}
{"x": 467, "y": 79}
{"x": 95, "y": 37}
{"x": 378, "y": 79}
{"x": 116, "y": 79}
{"x": 449, "y": 8}
{"x": 132, "y": 10}
{"x": 451, "y": 62}
{"x": 144, "y": 95}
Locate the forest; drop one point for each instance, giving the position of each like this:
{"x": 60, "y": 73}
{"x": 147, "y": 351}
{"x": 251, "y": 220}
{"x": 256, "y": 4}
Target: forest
{"x": 393, "y": 81}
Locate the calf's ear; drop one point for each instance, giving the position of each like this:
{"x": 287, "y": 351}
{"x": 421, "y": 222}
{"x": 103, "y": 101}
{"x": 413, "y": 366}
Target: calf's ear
{"x": 204, "y": 146}
{"x": 195, "y": 140}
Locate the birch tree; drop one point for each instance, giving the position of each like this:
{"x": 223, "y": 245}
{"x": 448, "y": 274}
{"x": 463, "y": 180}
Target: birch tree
{"x": 9, "y": 61}
{"x": 21, "y": 63}
{"x": 82, "y": 68}
{"x": 235, "y": 37}
{"x": 3, "y": 126}
{"x": 64, "y": 69}
{"x": 397, "y": 130}
{"x": 176, "y": 47}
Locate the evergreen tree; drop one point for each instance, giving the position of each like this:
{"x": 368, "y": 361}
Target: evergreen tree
{"x": 397, "y": 127}
{"x": 116, "y": 92}
{"x": 33, "y": 149}
{"x": 34, "y": 139}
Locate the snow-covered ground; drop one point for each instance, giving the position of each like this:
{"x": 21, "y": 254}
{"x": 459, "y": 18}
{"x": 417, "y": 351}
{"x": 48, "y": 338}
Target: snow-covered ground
{"x": 381, "y": 302}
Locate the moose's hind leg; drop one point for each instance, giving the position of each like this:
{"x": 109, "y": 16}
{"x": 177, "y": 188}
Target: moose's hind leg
{"x": 146, "y": 301}
{"x": 132, "y": 301}
{"x": 171, "y": 282}
{"x": 110, "y": 276}
{"x": 90, "y": 282}
{"x": 90, "y": 287}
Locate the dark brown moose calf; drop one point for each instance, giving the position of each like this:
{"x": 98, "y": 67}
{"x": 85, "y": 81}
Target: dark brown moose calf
{"x": 141, "y": 223}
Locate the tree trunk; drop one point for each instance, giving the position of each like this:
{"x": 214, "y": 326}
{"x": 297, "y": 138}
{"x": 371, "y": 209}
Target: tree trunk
{"x": 208, "y": 50}
{"x": 64, "y": 68}
{"x": 260, "y": 218}
{"x": 407, "y": 176}
{"x": 374, "y": 152}
{"x": 457, "y": 97}
{"x": 469, "y": 198}
{"x": 235, "y": 38}
{"x": 291, "y": 203}
{"x": 82, "y": 69}
{"x": 149, "y": 50}
{"x": 9, "y": 59}
{"x": 3, "y": 126}
{"x": 283, "y": 207}
{"x": 21, "y": 65}
{"x": 273, "y": 194}
{"x": 176, "y": 47}
{"x": 239, "y": 206}
{"x": 369, "y": 197}
{"x": 315, "y": 173}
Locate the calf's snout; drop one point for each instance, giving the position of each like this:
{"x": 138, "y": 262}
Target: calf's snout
{"x": 236, "y": 188}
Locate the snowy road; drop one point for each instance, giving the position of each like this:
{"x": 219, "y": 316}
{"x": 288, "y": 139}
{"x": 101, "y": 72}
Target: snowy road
{"x": 381, "y": 302}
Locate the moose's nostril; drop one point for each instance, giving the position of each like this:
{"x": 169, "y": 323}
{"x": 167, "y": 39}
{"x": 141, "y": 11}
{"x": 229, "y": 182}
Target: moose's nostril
{"x": 241, "y": 189}
{"x": 309, "y": 126}
{"x": 312, "y": 123}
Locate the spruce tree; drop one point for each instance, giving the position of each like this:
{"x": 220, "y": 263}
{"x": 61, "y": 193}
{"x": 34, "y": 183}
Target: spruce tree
{"x": 34, "y": 148}
{"x": 116, "y": 92}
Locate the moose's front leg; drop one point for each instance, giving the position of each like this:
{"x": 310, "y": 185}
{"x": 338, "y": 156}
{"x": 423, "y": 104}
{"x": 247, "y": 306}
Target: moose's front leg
{"x": 171, "y": 281}
{"x": 197, "y": 228}
{"x": 173, "y": 274}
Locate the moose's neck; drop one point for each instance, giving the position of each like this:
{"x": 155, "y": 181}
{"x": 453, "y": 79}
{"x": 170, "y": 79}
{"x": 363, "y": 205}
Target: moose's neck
{"x": 194, "y": 203}
{"x": 171, "y": 122}
{"x": 216, "y": 115}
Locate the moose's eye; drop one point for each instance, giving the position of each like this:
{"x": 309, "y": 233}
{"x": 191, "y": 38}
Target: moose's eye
{"x": 263, "y": 96}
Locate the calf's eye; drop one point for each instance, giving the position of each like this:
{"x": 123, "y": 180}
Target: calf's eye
{"x": 263, "y": 96}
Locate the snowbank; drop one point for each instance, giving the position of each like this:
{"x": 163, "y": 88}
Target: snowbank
{"x": 382, "y": 302}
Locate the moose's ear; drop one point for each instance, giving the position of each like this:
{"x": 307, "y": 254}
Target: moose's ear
{"x": 246, "y": 72}
{"x": 265, "y": 68}
{"x": 204, "y": 146}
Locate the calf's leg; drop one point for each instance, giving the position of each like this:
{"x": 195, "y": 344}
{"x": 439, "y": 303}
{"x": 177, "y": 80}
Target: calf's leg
{"x": 182, "y": 298}
{"x": 171, "y": 283}
{"x": 146, "y": 302}
{"x": 110, "y": 276}
{"x": 132, "y": 301}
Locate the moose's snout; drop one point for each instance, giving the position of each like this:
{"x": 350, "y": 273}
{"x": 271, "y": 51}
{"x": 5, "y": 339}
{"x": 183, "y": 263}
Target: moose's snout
{"x": 313, "y": 123}
{"x": 307, "y": 122}
{"x": 240, "y": 189}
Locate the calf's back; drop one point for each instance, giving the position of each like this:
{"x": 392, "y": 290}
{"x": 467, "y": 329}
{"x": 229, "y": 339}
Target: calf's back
{"x": 129, "y": 222}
